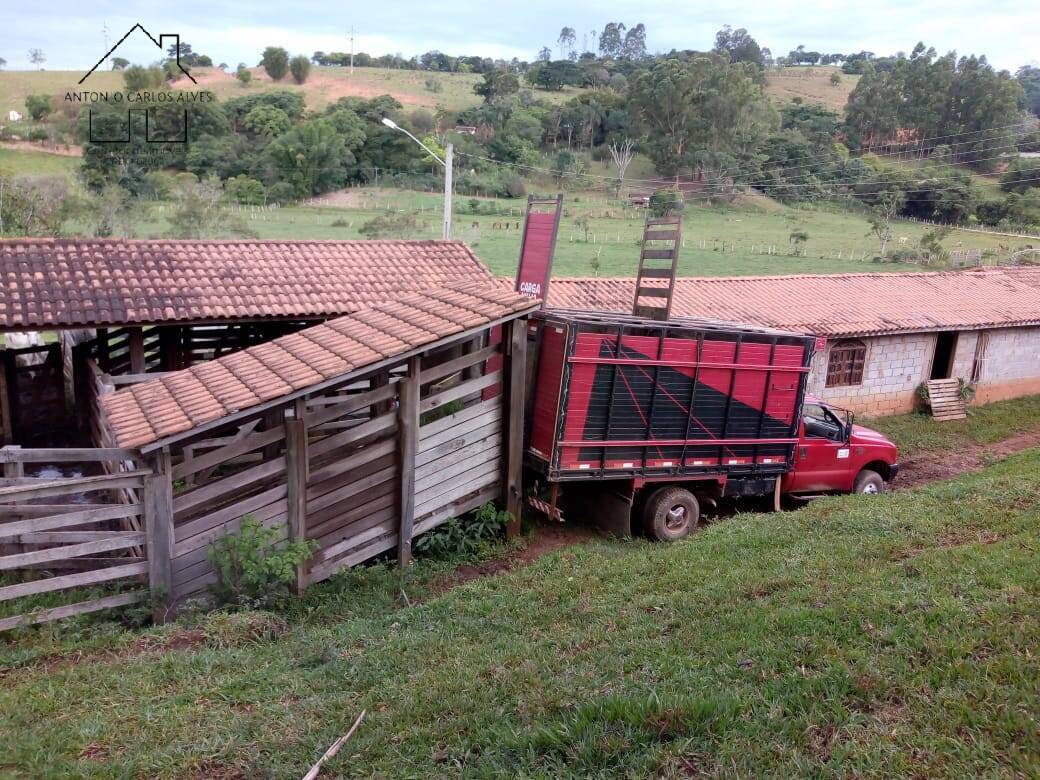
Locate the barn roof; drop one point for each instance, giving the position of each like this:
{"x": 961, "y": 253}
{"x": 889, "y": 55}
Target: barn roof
{"x": 286, "y": 367}
{"x": 60, "y": 283}
{"x": 835, "y": 305}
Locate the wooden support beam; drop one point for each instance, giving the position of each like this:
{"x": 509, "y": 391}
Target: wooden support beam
{"x": 296, "y": 468}
{"x": 157, "y": 501}
{"x": 408, "y": 436}
{"x": 136, "y": 341}
{"x": 514, "y": 387}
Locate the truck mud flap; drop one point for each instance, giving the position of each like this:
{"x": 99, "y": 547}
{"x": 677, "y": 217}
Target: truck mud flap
{"x": 609, "y": 510}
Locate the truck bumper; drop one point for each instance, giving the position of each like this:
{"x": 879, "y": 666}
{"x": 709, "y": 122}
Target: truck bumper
{"x": 893, "y": 471}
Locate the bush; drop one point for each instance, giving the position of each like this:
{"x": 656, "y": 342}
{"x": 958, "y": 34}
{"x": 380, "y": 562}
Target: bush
{"x": 281, "y": 192}
{"x": 136, "y": 78}
{"x": 389, "y": 226}
{"x": 244, "y": 190}
{"x": 38, "y": 106}
{"x": 433, "y": 85}
{"x": 38, "y": 134}
{"x": 276, "y": 62}
{"x": 300, "y": 67}
{"x": 666, "y": 202}
{"x": 243, "y": 75}
{"x": 464, "y": 537}
{"x": 251, "y": 571}
{"x": 158, "y": 185}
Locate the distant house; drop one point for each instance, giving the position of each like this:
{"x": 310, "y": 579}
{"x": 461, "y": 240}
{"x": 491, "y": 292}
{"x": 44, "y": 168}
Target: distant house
{"x": 881, "y": 334}
{"x": 466, "y": 129}
{"x": 14, "y": 116}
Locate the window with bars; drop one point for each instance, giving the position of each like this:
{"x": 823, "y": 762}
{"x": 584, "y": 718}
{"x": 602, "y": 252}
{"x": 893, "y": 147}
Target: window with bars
{"x": 845, "y": 365}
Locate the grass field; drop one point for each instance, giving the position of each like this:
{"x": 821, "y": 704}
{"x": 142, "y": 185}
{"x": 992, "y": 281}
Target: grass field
{"x": 886, "y": 637}
{"x": 23, "y": 161}
{"x": 812, "y": 85}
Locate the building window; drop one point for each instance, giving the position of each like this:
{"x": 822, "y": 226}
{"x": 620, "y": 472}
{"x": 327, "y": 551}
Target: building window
{"x": 978, "y": 364}
{"x": 845, "y": 365}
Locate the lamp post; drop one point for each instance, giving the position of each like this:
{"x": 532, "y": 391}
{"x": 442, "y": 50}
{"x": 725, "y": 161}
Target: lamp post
{"x": 446, "y": 162}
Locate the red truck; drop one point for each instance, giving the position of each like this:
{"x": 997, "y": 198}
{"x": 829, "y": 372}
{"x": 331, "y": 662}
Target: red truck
{"x": 640, "y": 422}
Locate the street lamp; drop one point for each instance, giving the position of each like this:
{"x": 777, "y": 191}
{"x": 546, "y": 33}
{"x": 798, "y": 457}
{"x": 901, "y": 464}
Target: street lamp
{"x": 446, "y": 162}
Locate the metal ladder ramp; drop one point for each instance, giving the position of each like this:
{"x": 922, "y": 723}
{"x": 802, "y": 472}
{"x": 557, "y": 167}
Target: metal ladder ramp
{"x": 658, "y": 259}
{"x": 946, "y": 400}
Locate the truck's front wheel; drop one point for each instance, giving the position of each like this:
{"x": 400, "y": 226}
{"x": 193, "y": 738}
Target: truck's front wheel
{"x": 869, "y": 483}
{"x": 671, "y": 513}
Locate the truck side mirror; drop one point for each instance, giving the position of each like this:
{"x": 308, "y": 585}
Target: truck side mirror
{"x": 849, "y": 420}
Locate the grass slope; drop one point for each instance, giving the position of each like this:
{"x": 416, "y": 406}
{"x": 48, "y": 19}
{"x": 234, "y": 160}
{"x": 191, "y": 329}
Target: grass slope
{"x": 32, "y": 162}
{"x": 812, "y": 85}
{"x": 884, "y": 637}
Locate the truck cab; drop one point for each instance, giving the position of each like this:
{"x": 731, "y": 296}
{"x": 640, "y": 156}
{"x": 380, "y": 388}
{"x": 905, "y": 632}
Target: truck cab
{"x": 834, "y": 455}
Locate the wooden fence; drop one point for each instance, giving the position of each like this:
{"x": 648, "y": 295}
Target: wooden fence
{"x": 62, "y": 533}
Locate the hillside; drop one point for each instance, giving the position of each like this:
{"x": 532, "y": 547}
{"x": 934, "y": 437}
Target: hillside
{"x": 812, "y": 85}
{"x": 887, "y": 637}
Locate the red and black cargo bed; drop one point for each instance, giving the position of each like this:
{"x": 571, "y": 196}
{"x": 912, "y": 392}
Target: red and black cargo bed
{"x": 619, "y": 396}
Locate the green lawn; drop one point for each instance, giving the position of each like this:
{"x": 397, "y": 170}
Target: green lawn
{"x": 919, "y": 433}
{"x": 24, "y": 161}
{"x": 886, "y": 637}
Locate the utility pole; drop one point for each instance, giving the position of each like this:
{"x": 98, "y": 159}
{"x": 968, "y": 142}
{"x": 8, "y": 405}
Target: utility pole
{"x": 449, "y": 155}
{"x": 351, "y": 50}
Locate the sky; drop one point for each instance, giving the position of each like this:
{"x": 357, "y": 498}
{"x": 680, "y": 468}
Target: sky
{"x": 73, "y": 35}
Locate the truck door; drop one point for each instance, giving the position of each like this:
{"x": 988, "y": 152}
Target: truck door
{"x": 822, "y": 453}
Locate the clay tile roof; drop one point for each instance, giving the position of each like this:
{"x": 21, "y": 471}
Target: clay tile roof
{"x": 180, "y": 401}
{"x": 88, "y": 282}
{"x": 835, "y": 305}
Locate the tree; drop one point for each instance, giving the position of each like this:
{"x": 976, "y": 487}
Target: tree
{"x": 880, "y": 218}
{"x": 197, "y": 210}
{"x": 496, "y": 84}
{"x": 545, "y": 54}
{"x": 243, "y": 74}
{"x": 739, "y": 45}
{"x": 3, "y": 62}
{"x": 634, "y": 45}
{"x": 835, "y": 79}
{"x": 312, "y": 157}
{"x": 37, "y": 57}
{"x": 137, "y": 78}
{"x": 244, "y": 190}
{"x": 300, "y": 67}
{"x": 38, "y": 106}
{"x": 267, "y": 121}
{"x": 621, "y": 152}
{"x": 119, "y": 63}
{"x": 1021, "y": 175}
{"x": 566, "y": 41}
{"x": 276, "y": 62}
{"x": 34, "y": 205}
{"x": 797, "y": 239}
{"x": 1028, "y": 76}
{"x": 611, "y": 43}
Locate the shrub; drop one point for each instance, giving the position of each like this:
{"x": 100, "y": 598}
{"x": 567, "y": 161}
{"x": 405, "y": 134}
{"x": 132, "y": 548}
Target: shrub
{"x": 389, "y": 226}
{"x": 666, "y": 202}
{"x": 433, "y": 85}
{"x": 276, "y": 62}
{"x": 300, "y": 67}
{"x": 136, "y": 78}
{"x": 38, "y": 134}
{"x": 464, "y": 536}
{"x": 281, "y": 192}
{"x": 243, "y": 75}
{"x": 244, "y": 190}
{"x": 38, "y": 106}
{"x": 251, "y": 571}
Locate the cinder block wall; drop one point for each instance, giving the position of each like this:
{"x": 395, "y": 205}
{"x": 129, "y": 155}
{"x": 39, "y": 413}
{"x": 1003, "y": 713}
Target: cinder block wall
{"x": 1012, "y": 365}
{"x": 894, "y": 367}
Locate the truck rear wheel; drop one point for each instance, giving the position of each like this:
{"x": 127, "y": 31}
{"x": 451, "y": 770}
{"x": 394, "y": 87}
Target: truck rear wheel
{"x": 671, "y": 513}
{"x": 869, "y": 483}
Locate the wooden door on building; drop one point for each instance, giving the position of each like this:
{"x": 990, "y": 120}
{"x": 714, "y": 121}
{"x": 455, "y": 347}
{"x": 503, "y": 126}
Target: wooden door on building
{"x": 35, "y": 390}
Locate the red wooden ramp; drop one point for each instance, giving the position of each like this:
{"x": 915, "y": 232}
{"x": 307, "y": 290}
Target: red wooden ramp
{"x": 537, "y": 246}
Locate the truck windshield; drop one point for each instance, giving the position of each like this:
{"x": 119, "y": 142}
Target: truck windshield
{"x": 822, "y": 423}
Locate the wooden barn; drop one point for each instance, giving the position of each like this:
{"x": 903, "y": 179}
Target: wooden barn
{"x": 356, "y": 431}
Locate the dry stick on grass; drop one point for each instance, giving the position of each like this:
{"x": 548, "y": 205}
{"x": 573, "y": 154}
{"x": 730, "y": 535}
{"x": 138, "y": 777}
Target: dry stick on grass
{"x": 333, "y": 749}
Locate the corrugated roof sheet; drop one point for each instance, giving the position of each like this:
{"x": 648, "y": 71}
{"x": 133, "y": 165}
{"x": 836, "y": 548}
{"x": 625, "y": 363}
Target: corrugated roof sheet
{"x": 835, "y": 305}
{"x": 87, "y": 282}
{"x": 182, "y": 400}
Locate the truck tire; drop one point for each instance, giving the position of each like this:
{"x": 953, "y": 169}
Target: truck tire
{"x": 869, "y": 483}
{"x": 671, "y": 513}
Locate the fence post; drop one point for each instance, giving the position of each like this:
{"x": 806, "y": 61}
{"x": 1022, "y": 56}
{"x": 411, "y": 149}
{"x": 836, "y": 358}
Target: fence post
{"x": 157, "y": 505}
{"x": 296, "y": 469}
{"x": 408, "y": 433}
{"x": 514, "y": 455}
{"x": 13, "y": 468}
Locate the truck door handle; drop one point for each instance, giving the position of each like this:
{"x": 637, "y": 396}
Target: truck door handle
{"x": 804, "y": 453}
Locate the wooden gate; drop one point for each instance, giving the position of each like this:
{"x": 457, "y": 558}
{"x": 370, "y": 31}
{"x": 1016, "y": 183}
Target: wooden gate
{"x": 69, "y": 532}
{"x": 35, "y": 385}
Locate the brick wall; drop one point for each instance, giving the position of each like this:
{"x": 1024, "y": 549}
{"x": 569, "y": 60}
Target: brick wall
{"x": 896, "y": 365}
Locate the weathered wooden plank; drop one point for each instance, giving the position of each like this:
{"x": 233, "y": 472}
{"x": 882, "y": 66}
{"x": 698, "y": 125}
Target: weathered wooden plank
{"x": 386, "y": 541}
{"x": 384, "y": 424}
{"x": 455, "y": 365}
{"x": 461, "y": 390}
{"x": 360, "y": 485}
{"x": 661, "y": 235}
{"x": 157, "y": 500}
{"x": 71, "y": 581}
{"x": 653, "y": 292}
{"x": 64, "y": 454}
{"x": 57, "y": 487}
{"x": 359, "y": 401}
{"x": 460, "y": 442}
{"x": 67, "y": 537}
{"x": 472, "y": 458}
{"x": 338, "y": 518}
{"x": 433, "y": 498}
{"x": 68, "y": 610}
{"x": 233, "y": 449}
{"x": 455, "y": 508}
{"x": 490, "y": 416}
{"x": 353, "y": 461}
{"x": 481, "y": 440}
{"x": 296, "y": 483}
{"x": 120, "y": 542}
{"x": 247, "y": 505}
{"x": 65, "y": 519}
{"x": 408, "y": 437}
{"x": 197, "y": 548}
{"x": 222, "y": 489}
{"x": 657, "y": 254}
{"x": 373, "y": 524}
{"x": 513, "y": 457}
